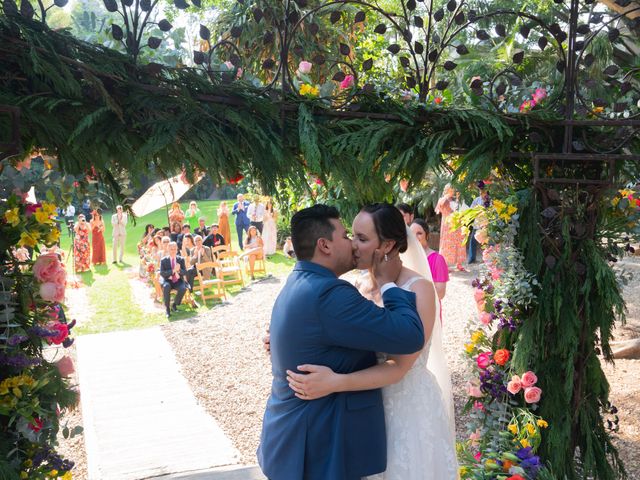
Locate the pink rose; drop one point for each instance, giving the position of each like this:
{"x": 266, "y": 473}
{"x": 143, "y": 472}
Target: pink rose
{"x": 515, "y": 385}
{"x": 539, "y": 94}
{"x": 478, "y": 456}
{"x": 474, "y": 390}
{"x": 347, "y": 82}
{"x": 51, "y": 292}
{"x": 482, "y": 236}
{"x": 485, "y": 318}
{"x": 475, "y": 438}
{"x": 478, "y": 295}
{"x": 532, "y": 394}
{"x": 65, "y": 366}
{"x": 31, "y": 208}
{"x": 478, "y": 406}
{"x": 62, "y": 332}
{"x": 484, "y": 360}
{"x": 496, "y": 273}
{"x": 529, "y": 379}
{"x": 47, "y": 268}
{"x": 304, "y": 67}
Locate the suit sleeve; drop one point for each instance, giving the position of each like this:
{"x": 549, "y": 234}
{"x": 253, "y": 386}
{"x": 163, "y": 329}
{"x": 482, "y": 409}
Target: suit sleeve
{"x": 352, "y": 321}
{"x": 165, "y": 269}
{"x": 235, "y": 209}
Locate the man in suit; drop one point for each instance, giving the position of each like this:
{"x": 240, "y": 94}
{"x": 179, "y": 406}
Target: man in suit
{"x": 200, "y": 254}
{"x": 119, "y": 223}
{"x": 240, "y": 209}
{"x": 201, "y": 229}
{"x": 172, "y": 273}
{"x": 319, "y": 318}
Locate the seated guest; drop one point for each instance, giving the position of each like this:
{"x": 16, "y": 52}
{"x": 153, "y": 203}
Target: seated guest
{"x": 201, "y": 229}
{"x": 287, "y": 248}
{"x": 176, "y": 230}
{"x": 253, "y": 248}
{"x": 187, "y": 246}
{"x": 186, "y": 229}
{"x": 172, "y": 273}
{"x": 214, "y": 239}
{"x": 166, "y": 231}
{"x": 200, "y": 254}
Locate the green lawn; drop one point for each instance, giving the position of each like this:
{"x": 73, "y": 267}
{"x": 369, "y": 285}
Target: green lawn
{"x": 109, "y": 291}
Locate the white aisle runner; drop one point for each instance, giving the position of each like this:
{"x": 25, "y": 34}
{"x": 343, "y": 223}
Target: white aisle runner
{"x": 140, "y": 417}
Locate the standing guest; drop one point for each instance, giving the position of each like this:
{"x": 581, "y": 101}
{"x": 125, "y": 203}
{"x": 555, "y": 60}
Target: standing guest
{"x": 451, "y": 246}
{"x": 202, "y": 229}
{"x": 119, "y": 222}
{"x": 214, "y": 239}
{"x": 81, "y": 249}
{"x": 255, "y": 212}
{"x": 482, "y": 200}
{"x": 407, "y": 212}
{"x": 255, "y": 248}
{"x": 86, "y": 209}
{"x": 192, "y": 215}
{"x": 172, "y": 273}
{"x": 200, "y": 254}
{"x": 98, "y": 247}
{"x": 270, "y": 230}
{"x": 223, "y": 221}
{"x": 176, "y": 214}
{"x": 437, "y": 264}
{"x": 69, "y": 215}
{"x": 242, "y": 220}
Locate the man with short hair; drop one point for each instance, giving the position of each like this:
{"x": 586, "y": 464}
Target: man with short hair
{"x": 407, "y": 213}
{"x": 172, "y": 273}
{"x": 320, "y": 318}
{"x": 201, "y": 229}
{"x": 119, "y": 234}
{"x": 199, "y": 254}
{"x": 186, "y": 228}
{"x": 214, "y": 239}
{"x": 242, "y": 220}
{"x": 255, "y": 212}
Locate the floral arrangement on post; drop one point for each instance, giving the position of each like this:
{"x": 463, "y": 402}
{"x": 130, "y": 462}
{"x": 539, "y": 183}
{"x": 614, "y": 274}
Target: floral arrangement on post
{"x": 504, "y": 431}
{"x": 34, "y": 391}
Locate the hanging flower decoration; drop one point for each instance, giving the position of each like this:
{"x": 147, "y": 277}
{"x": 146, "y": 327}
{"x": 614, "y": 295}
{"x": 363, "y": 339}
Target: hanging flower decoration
{"x": 236, "y": 179}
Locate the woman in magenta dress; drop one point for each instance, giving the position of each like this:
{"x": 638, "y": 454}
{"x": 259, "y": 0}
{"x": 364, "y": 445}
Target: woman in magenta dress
{"x": 99, "y": 250}
{"x": 437, "y": 263}
{"x": 81, "y": 248}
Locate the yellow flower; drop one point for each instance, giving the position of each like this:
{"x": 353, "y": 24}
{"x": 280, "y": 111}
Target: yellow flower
{"x": 50, "y": 208}
{"x": 525, "y": 443}
{"x": 505, "y": 216}
{"x": 24, "y": 475}
{"x": 531, "y": 429}
{"x": 42, "y": 216}
{"x": 309, "y": 90}
{"x": 67, "y": 476}
{"x": 542, "y": 423}
{"x": 615, "y": 201}
{"x": 477, "y": 336}
{"x": 12, "y": 216}
{"x": 499, "y": 206}
{"x": 463, "y": 471}
{"x": 52, "y": 237}
{"x": 511, "y": 209}
{"x": 27, "y": 463}
{"x": 513, "y": 428}
{"x": 53, "y": 473}
{"x": 28, "y": 239}
{"x": 469, "y": 347}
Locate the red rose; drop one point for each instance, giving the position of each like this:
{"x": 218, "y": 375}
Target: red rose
{"x": 62, "y": 332}
{"x": 36, "y": 425}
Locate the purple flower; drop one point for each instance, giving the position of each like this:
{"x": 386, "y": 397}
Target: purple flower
{"x": 16, "y": 339}
{"x": 524, "y": 453}
{"x": 67, "y": 342}
{"x": 19, "y": 360}
{"x": 42, "y": 332}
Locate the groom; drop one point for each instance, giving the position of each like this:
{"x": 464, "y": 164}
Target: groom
{"x": 320, "y": 319}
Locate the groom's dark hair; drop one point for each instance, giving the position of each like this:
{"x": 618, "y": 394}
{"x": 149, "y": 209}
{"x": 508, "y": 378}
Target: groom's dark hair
{"x": 310, "y": 224}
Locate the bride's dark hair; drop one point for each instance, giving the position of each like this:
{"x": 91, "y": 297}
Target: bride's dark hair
{"x": 389, "y": 223}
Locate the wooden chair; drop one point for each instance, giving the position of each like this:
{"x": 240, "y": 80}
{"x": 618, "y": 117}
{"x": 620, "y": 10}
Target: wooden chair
{"x": 209, "y": 288}
{"x": 259, "y": 266}
{"x": 230, "y": 270}
{"x": 215, "y": 251}
{"x": 188, "y": 297}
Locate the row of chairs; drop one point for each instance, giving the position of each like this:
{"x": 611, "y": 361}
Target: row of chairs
{"x": 228, "y": 271}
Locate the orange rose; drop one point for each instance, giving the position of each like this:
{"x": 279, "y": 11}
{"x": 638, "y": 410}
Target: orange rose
{"x": 501, "y": 356}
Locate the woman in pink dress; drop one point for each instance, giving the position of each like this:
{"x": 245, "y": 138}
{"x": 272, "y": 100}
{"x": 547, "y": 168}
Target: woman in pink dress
{"x": 437, "y": 264}
{"x": 451, "y": 247}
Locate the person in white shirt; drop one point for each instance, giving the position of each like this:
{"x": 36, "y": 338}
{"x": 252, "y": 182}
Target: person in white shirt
{"x": 119, "y": 223}
{"x": 255, "y": 212}
{"x": 69, "y": 214}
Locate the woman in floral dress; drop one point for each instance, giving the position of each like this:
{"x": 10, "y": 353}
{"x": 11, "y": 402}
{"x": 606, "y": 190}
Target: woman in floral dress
{"x": 81, "y": 248}
{"x": 451, "y": 247}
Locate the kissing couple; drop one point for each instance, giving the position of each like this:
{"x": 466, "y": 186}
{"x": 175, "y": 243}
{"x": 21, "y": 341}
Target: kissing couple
{"x": 338, "y": 410}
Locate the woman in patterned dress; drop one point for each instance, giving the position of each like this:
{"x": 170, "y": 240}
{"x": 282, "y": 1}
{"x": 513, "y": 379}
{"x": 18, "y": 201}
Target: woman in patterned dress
{"x": 81, "y": 249}
{"x": 451, "y": 247}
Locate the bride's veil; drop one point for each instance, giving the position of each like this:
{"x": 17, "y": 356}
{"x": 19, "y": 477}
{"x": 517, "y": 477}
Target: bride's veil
{"x": 416, "y": 259}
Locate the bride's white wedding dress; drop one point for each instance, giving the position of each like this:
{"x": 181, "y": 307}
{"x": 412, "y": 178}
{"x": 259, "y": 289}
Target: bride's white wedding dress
{"x": 420, "y": 438}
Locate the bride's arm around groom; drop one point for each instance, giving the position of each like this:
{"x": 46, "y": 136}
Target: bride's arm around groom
{"x": 318, "y": 318}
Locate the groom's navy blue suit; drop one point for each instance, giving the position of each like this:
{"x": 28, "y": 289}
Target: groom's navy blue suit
{"x": 320, "y": 319}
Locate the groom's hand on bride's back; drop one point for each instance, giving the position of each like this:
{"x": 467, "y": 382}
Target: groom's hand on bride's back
{"x": 386, "y": 269}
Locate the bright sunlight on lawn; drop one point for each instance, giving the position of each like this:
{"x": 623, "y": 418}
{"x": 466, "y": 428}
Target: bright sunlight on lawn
{"x": 109, "y": 291}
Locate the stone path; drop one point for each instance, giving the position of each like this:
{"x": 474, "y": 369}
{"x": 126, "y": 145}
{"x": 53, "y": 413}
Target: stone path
{"x": 141, "y": 419}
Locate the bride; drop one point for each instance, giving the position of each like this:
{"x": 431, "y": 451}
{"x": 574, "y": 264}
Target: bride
{"x": 417, "y": 389}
